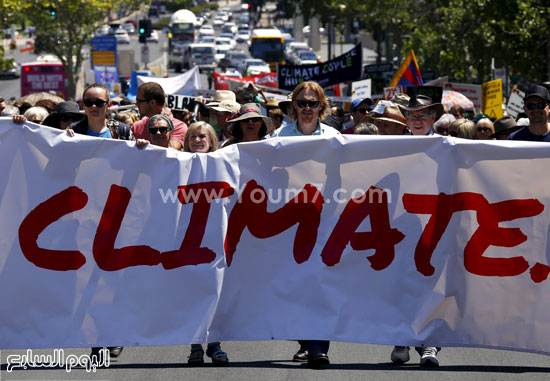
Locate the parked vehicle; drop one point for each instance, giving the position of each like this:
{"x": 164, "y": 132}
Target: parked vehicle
{"x": 13, "y": 71}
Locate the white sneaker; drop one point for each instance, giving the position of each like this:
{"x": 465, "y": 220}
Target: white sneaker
{"x": 400, "y": 355}
{"x": 428, "y": 357}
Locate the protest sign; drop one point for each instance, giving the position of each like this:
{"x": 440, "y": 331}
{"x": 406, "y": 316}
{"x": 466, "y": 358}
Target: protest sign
{"x": 492, "y": 98}
{"x": 346, "y": 67}
{"x": 222, "y": 82}
{"x": 198, "y": 248}
{"x": 361, "y": 89}
{"x": 472, "y": 92}
{"x": 515, "y": 102}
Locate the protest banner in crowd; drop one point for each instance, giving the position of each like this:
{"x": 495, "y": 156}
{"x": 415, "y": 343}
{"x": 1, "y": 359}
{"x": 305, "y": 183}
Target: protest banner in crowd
{"x": 221, "y": 82}
{"x": 346, "y": 67}
{"x": 405, "y": 240}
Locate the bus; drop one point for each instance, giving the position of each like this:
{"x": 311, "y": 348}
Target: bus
{"x": 267, "y": 44}
{"x": 45, "y": 74}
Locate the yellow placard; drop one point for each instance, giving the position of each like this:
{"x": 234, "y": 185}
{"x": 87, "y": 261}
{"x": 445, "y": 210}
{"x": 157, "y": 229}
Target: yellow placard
{"x": 103, "y": 58}
{"x": 491, "y": 98}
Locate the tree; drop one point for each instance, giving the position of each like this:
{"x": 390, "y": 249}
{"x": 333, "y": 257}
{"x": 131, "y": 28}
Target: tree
{"x": 64, "y": 27}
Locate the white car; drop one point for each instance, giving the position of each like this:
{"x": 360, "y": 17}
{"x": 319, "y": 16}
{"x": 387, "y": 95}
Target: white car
{"x": 305, "y": 57}
{"x": 243, "y": 36}
{"x": 154, "y": 37}
{"x": 207, "y": 39}
{"x": 103, "y": 30}
{"x": 206, "y": 30}
{"x": 225, "y": 43}
{"x": 254, "y": 66}
{"x": 128, "y": 27}
{"x": 122, "y": 36}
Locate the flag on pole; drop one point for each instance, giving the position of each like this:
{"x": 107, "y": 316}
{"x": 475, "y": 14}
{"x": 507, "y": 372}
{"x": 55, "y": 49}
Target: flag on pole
{"x": 408, "y": 73}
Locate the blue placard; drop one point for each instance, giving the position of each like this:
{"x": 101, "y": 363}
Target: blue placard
{"x": 103, "y": 43}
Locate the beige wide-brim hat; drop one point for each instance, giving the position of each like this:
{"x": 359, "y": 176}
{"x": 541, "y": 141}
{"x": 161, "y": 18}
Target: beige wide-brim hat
{"x": 389, "y": 112}
{"x": 220, "y": 96}
{"x": 227, "y": 106}
{"x": 284, "y": 104}
{"x": 247, "y": 111}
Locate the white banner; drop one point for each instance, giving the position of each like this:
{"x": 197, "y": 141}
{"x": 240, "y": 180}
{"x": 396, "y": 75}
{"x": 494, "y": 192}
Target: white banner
{"x": 185, "y": 84}
{"x": 384, "y": 240}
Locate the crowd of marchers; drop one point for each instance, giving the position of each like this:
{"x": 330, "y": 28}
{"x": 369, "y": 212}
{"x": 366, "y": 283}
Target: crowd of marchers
{"x": 240, "y": 116}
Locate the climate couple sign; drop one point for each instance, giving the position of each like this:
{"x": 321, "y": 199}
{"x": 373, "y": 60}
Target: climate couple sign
{"x": 366, "y": 239}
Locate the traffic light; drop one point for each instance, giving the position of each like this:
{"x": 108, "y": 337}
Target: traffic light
{"x": 52, "y": 11}
{"x": 145, "y": 28}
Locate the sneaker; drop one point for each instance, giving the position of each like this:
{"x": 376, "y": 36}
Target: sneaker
{"x": 400, "y": 355}
{"x": 428, "y": 357}
{"x": 218, "y": 356}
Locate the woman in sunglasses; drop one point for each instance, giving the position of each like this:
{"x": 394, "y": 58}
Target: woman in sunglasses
{"x": 96, "y": 123}
{"x": 309, "y": 107}
{"x": 65, "y": 114}
{"x": 248, "y": 125}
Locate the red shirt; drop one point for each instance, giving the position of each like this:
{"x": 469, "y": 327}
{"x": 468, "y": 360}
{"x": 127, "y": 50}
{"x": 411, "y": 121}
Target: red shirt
{"x": 139, "y": 129}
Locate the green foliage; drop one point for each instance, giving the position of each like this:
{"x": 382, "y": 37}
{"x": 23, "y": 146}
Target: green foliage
{"x": 161, "y": 23}
{"x": 70, "y": 29}
{"x": 455, "y": 38}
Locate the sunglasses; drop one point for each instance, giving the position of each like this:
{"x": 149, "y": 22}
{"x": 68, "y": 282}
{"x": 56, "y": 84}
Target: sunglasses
{"x": 533, "y": 106}
{"x": 362, "y": 110}
{"x": 253, "y": 120}
{"x": 142, "y": 100}
{"x": 483, "y": 129}
{"x": 453, "y": 133}
{"x": 155, "y": 130}
{"x": 442, "y": 130}
{"x": 303, "y": 104}
{"x": 97, "y": 102}
{"x": 37, "y": 121}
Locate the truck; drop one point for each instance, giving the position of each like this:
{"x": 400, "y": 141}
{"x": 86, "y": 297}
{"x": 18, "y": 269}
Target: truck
{"x": 181, "y": 32}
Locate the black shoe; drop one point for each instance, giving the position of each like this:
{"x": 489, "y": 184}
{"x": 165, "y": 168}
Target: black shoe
{"x": 300, "y": 356}
{"x": 114, "y": 352}
{"x": 318, "y": 360}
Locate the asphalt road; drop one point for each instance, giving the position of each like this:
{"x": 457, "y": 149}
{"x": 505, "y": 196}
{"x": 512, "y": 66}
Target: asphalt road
{"x": 272, "y": 361}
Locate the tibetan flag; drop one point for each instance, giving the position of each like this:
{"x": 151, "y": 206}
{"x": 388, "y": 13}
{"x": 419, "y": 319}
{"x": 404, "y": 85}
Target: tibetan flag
{"x": 408, "y": 73}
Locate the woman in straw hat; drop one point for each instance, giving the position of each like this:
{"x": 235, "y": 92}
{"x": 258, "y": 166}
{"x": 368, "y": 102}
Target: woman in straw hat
{"x": 248, "y": 125}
